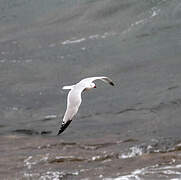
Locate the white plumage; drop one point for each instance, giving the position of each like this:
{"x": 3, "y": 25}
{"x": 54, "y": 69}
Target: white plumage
{"x": 74, "y": 98}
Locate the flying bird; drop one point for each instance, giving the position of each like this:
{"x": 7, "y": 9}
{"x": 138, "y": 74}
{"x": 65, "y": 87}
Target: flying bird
{"x": 74, "y": 98}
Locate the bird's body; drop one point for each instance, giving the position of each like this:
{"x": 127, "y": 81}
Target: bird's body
{"x": 73, "y": 102}
{"x": 74, "y": 98}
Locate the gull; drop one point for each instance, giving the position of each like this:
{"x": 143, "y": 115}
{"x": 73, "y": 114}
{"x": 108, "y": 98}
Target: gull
{"x": 74, "y": 98}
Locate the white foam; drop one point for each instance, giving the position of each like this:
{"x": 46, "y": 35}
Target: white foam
{"x": 73, "y": 41}
{"x": 134, "y": 151}
{"x": 95, "y": 36}
{"x": 170, "y": 167}
{"x": 155, "y": 12}
{"x": 51, "y": 116}
{"x": 107, "y": 34}
{"x": 94, "y": 158}
{"x": 128, "y": 177}
{"x": 162, "y": 171}
{"x": 56, "y": 175}
{"x": 45, "y": 158}
{"x": 29, "y": 163}
{"x": 30, "y": 175}
{"x": 139, "y": 22}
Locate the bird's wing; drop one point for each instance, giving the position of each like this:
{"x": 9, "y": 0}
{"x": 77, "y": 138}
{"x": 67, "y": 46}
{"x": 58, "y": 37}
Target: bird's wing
{"x": 74, "y": 99}
{"x": 64, "y": 126}
{"x": 73, "y": 103}
{"x": 103, "y": 78}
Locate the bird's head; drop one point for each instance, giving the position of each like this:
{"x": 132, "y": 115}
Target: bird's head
{"x": 90, "y": 86}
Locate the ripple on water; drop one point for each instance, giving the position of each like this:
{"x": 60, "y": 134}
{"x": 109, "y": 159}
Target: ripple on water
{"x": 56, "y": 175}
{"x": 165, "y": 172}
{"x": 62, "y": 159}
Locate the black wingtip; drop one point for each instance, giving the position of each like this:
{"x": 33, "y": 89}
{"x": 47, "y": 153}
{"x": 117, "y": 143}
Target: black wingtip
{"x": 111, "y": 83}
{"x": 64, "y": 126}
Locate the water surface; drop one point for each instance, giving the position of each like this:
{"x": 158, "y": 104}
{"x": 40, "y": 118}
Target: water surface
{"x": 131, "y": 131}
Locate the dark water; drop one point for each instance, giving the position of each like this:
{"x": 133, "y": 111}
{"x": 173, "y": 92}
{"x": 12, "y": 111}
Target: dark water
{"x": 131, "y": 131}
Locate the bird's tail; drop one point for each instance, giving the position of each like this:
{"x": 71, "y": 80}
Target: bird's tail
{"x": 64, "y": 125}
{"x": 68, "y": 87}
